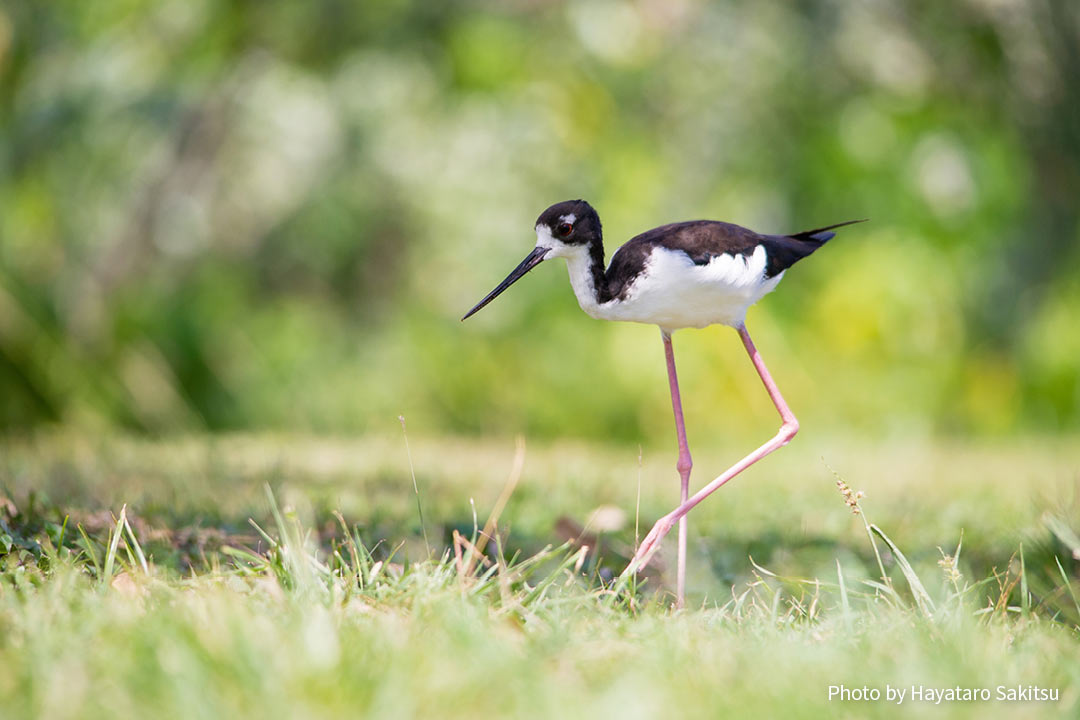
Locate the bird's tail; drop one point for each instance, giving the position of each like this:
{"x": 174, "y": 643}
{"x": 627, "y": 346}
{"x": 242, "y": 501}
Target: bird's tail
{"x": 822, "y": 235}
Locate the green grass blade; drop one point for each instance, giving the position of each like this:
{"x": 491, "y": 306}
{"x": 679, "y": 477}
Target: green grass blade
{"x": 114, "y": 543}
{"x": 1068, "y": 586}
{"x": 922, "y": 598}
{"x": 845, "y": 606}
{"x": 1025, "y": 596}
{"x": 88, "y": 545}
{"x": 134, "y": 543}
{"x": 63, "y": 531}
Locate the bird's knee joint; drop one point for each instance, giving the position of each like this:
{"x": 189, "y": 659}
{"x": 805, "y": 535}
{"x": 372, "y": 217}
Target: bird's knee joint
{"x": 789, "y": 430}
{"x": 685, "y": 464}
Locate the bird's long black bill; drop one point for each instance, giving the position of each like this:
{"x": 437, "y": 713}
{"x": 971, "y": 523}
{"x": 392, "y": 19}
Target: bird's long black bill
{"x": 534, "y": 259}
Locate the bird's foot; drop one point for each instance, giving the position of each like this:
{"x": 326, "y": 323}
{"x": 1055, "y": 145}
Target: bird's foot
{"x": 651, "y": 544}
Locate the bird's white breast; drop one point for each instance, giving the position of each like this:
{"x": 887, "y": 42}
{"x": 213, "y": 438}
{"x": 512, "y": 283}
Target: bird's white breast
{"x": 674, "y": 293}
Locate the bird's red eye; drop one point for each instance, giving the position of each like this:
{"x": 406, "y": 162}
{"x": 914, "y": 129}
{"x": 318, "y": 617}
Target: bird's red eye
{"x": 564, "y": 229}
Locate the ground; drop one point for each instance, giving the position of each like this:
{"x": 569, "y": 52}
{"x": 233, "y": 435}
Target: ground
{"x": 162, "y": 598}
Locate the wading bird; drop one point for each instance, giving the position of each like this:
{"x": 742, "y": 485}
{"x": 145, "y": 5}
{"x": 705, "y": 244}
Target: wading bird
{"x": 684, "y": 275}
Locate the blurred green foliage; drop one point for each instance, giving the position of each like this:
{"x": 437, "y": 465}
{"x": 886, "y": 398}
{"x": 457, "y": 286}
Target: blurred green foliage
{"x": 230, "y": 215}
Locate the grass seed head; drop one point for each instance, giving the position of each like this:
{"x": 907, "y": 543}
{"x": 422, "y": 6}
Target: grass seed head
{"x": 851, "y": 497}
{"x": 947, "y": 563}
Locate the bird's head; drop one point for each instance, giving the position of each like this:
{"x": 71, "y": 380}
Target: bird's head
{"x": 562, "y": 230}
{"x": 567, "y": 227}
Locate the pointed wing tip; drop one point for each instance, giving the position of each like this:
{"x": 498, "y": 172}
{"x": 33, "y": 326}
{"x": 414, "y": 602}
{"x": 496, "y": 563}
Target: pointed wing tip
{"x": 849, "y": 222}
{"x": 823, "y": 234}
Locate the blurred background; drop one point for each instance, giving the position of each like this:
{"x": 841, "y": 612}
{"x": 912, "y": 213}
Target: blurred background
{"x": 229, "y": 215}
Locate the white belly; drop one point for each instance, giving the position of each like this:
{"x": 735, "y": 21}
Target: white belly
{"x": 675, "y": 293}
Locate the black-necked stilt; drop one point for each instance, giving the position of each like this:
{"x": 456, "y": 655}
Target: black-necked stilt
{"x": 688, "y": 274}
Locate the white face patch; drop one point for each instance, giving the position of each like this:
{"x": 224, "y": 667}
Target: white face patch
{"x": 544, "y": 239}
{"x": 558, "y": 248}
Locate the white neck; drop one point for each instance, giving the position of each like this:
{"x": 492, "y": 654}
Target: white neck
{"x": 581, "y": 279}
{"x": 578, "y": 263}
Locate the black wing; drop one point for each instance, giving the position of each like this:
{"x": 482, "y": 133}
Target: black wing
{"x": 703, "y": 240}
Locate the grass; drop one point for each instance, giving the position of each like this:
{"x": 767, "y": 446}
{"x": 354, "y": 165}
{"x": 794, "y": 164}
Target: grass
{"x": 229, "y": 586}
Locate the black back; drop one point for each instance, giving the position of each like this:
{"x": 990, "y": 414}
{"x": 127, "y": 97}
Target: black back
{"x": 703, "y": 240}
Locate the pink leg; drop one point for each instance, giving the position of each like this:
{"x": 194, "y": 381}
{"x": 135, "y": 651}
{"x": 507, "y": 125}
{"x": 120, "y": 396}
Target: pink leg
{"x": 683, "y": 466}
{"x": 787, "y": 431}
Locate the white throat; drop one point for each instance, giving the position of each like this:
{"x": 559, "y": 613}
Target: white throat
{"x": 578, "y": 264}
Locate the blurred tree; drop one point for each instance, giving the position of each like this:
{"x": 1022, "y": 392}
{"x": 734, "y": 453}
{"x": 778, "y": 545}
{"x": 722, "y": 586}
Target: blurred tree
{"x": 230, "y": 215}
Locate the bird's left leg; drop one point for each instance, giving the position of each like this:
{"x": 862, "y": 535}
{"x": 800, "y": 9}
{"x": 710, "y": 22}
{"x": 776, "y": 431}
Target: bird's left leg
{"x": 684, "y": 465}
{"x": 787, "y": 431}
